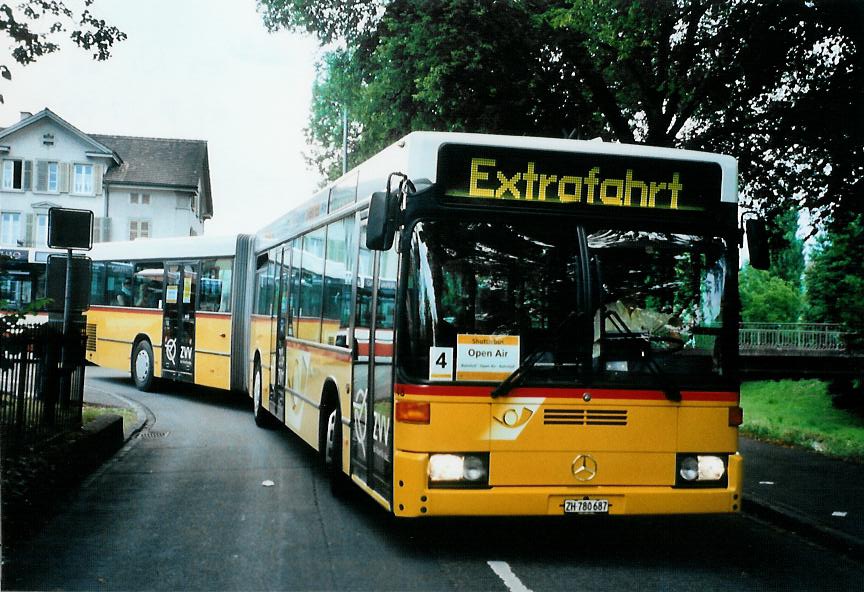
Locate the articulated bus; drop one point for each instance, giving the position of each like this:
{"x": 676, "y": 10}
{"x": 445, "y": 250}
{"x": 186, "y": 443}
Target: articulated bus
{"x": 491, "y": 325}
{"x": 171, "y": 308}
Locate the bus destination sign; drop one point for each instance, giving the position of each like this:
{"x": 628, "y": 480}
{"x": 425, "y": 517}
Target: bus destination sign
{"x": 487, "y": 174}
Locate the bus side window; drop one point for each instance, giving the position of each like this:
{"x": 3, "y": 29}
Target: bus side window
{"x": 147, "y": 288}
{"x": 338, "y": 272}
{"x": 263, "y": 287}
{"x": 312, "y": 285}
{"x": 215, "y": 286}
{"x": 119, "y": 283}
{"x": 97, "y": 284}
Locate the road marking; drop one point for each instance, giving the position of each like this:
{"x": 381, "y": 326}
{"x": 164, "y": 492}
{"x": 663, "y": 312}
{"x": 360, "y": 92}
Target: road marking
{"x": 503, "y": 571}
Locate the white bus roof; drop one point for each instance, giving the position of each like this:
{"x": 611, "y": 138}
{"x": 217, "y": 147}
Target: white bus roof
{"x": 187, "y": 247}
{"x": 416, "y": 155}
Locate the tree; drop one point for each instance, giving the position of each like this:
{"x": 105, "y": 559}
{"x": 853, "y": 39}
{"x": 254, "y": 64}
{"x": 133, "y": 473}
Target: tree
{"x": 766, "y": 298}
{"x": 32, "y": 37}
{"x": 835, "y": 276}
{"x": 787, "y": 250}
{"x": 775, "y": 83}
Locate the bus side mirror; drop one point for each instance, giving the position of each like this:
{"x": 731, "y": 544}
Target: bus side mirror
{"x": 381, "y": 225}
{"x": 757, "y": 243}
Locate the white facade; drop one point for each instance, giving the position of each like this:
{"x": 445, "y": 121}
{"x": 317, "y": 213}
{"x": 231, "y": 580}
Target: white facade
{"x": 46, "y": 162}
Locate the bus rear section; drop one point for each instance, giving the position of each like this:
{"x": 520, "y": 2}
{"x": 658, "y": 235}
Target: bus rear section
{"x": 169, "y": 308}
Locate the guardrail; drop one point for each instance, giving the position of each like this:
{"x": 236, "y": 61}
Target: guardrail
{"x": 815, "y": 337}
{"x": 39, "y": 394}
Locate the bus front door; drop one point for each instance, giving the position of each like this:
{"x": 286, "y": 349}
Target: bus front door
{"x": 372, "y": 394}
{"x": 178, "y": 322}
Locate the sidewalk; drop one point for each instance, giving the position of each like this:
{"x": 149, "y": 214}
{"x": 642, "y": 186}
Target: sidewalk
{"x": 816, "y": 496}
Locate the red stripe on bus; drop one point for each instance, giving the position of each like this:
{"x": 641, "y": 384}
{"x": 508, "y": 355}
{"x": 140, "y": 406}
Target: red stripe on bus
{"x": 562, "y": 393}
{"x": 384, "y": 349}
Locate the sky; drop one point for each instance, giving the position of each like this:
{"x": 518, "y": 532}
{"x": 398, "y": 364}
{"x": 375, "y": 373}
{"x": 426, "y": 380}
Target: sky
{"x": 191, "y": 69}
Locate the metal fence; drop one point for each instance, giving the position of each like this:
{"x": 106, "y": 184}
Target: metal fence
{"x": 815, "y": 337}
{"x": 41, "y": 384}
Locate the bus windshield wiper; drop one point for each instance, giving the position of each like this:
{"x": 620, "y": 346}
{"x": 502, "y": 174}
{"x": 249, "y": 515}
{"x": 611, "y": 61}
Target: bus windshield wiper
{"x": 519, "y": 374}
{"x": 667, "y": 385}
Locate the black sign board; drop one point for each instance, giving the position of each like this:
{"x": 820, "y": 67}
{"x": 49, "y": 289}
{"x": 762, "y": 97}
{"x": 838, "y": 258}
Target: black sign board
{"x": 70, "y": 229}
{"x": 493, "y": 175}
{"x": 56, "y": 283}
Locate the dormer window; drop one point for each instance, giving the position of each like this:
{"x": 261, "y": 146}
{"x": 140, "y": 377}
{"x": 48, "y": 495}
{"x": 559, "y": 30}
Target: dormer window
{"x": 139, "y": 199}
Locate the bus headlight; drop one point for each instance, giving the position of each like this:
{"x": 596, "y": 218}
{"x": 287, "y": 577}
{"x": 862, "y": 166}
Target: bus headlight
{"x": 459, "y": 470}
{"x": 701, "y": 470}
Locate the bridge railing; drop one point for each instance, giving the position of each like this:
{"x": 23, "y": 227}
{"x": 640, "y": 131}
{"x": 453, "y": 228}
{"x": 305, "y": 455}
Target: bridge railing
{"x": 792, "y": 336}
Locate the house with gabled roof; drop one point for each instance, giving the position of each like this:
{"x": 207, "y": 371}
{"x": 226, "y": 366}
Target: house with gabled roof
{"x": 136, "y": 187}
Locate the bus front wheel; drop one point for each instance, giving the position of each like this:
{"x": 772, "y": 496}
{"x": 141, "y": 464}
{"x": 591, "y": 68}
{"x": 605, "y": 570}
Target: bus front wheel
{"x": 333, "y": 452}
{"x": 142, "y": 365}
{"x": 259, "y": 413}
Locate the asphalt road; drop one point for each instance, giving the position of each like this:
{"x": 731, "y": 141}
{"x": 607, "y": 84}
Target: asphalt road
{"x": 184, "y": 508}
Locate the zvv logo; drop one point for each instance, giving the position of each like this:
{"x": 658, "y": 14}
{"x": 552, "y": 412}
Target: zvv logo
{"x": 171, "y": 350}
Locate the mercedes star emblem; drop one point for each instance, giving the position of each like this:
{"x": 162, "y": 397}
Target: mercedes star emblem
{"x": 584, "y": 467}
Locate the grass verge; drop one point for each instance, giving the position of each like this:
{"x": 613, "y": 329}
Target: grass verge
{"x": 799, "y": 413}
{"x": 90, "y": 412}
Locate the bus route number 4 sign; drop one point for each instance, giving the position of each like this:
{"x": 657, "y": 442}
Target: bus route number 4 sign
{"x": 441, "y": 363}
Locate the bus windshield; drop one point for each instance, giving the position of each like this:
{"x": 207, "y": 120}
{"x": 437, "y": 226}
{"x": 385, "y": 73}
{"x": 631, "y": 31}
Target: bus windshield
{"x": 616, "y": 308}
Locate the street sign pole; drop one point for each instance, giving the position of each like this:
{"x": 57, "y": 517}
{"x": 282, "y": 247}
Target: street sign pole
{"x": 67, "y": 304}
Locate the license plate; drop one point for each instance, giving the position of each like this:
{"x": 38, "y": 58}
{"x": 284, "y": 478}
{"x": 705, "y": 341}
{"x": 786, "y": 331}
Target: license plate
{"x": 586, "y": 506}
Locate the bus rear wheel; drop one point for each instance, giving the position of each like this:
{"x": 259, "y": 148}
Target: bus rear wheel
{"x": 142, "y": 365}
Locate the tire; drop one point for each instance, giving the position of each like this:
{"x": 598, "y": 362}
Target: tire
{"x": 262, "y": 417}
{"x": 142, "y": 365}
{"x": 332, "y": 453}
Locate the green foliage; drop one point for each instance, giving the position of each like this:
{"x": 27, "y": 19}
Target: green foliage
{"x": 31, "y": 37}
{"x": 11, "y": 319}
{"x": 835, "y": 277}
{"x": 758, "y": 80}
{"x": 767, "y": 298}
{"x": 787, "y": 250}
{"x": 800, "y": 413}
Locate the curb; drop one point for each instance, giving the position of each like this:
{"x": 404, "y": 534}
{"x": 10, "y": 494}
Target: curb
{"x": 99, "y": 440}
{"x": 793, "y": 521}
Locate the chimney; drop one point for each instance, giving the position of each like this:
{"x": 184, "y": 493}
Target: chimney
{"x": 25, "y": 115}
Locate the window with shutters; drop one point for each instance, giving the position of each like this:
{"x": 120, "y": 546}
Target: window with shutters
{"x": 82, "y": 179}
{"x": 10, "y": 228}
{"x": 139, "y": 229}
{"x": 15, "y": 174}
{"x": 47, "y": 176}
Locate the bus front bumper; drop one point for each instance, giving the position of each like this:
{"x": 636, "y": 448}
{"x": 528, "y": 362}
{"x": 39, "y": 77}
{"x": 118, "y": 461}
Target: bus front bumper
{"x": 412, "y": 497}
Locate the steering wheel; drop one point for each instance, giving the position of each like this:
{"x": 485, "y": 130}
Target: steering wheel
{"x": 669, "y": 343}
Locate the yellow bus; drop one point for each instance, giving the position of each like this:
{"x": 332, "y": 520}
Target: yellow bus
{"x": 493, "y": 325}
{"x": 172, "y": 308}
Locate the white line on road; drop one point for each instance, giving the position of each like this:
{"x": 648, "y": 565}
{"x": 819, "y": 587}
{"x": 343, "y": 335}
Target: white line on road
{"x": 503, "y": 571}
